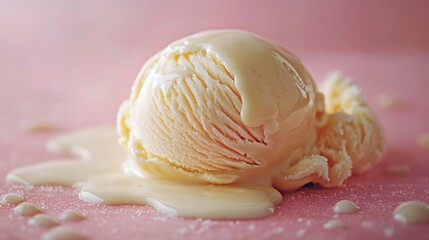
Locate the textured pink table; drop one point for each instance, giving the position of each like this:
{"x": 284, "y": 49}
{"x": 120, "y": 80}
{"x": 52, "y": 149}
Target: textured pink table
{"x": 71, "y": 63}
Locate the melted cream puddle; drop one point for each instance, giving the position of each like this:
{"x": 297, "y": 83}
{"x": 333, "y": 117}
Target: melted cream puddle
{"x": 102, "y": 179}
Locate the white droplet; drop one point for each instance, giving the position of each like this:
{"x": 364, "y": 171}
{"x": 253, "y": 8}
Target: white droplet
{"x": 12, "y": 198}
{"x": 389, "y": 232}
{"x": 333, "y": 224}
{"x": 27, "y": 209}
{"x": 412, "y": 212}
{"x": 345, "y": 207}
{"x": 367, "y": 224}
{"x": 42, "y": 220}
{"x": 63, "y": 233}
{"x": 71, "y": 215}
{"x": 301, "y": 232}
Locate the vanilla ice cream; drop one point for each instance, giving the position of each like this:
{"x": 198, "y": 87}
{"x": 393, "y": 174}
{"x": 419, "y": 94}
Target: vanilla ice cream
{"x": 216, "y": 125}
{"x": 229, "y": 107}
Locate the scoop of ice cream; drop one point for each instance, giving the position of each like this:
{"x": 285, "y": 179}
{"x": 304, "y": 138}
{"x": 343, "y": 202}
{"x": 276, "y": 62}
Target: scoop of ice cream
{"x": 228, "y": 106}
{"x": 221, "y": 107}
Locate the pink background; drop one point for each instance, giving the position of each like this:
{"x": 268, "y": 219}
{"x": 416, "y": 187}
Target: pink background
{"x": 72, "y": 63}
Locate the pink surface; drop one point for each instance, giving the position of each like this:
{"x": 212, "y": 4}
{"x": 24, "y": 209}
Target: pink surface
{"x": 72, "y": 63}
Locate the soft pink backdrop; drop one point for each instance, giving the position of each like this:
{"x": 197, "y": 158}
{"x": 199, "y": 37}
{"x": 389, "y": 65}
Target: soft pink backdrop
{"x": 72, "y": 63}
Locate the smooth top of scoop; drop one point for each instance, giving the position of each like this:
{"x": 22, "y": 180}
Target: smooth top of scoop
{"x": 270, "y": 80}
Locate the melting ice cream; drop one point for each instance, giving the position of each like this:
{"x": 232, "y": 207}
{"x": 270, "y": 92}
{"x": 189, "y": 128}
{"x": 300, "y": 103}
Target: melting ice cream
{"x": 213, "y": 123}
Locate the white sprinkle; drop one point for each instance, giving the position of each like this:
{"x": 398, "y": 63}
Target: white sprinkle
{"x": 12, "y": 198}
{"x": 367, "y": 224}
{"x": 183, "y": 231}
{"x": 275, "y": 232}
{"x": 301, "y": 232}
{"x": 389, "y": 232}
{"x": 251, "y": 227}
